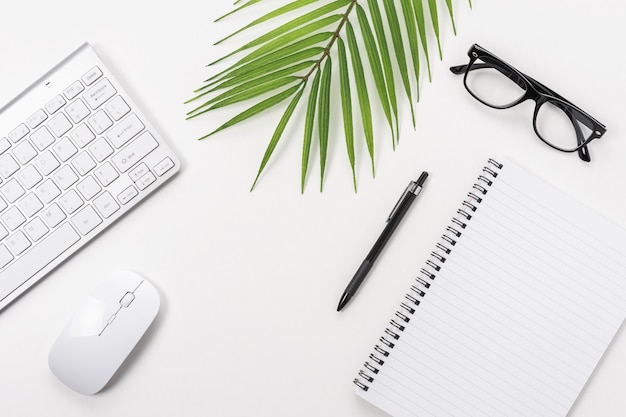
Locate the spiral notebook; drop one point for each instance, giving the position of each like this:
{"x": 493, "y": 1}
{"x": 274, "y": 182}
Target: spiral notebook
{"x": 511, "y": 313}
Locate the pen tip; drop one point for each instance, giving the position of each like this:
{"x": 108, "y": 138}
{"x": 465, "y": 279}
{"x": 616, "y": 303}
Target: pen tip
{"x": 344, "y": 300}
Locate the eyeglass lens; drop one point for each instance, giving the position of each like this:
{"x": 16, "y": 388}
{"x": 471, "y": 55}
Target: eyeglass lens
{"x": 492, "y": 86}
{"x": 554, "y": 120}
{"x": 554, "y": 123}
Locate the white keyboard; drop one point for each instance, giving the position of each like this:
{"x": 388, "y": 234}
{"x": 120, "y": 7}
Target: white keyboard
{"x": 76, "y": 153}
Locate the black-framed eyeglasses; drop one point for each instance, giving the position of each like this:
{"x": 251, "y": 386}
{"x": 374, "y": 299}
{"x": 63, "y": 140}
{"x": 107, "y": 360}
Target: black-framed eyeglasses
{"x": 557, "y": 121}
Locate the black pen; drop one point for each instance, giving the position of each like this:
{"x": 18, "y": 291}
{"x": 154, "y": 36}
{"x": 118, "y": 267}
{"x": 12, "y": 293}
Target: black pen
{"x": 398, "y": 212}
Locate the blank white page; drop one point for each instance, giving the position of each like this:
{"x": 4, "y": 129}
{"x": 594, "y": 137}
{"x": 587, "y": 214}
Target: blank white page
{"x": 518, "y": 316}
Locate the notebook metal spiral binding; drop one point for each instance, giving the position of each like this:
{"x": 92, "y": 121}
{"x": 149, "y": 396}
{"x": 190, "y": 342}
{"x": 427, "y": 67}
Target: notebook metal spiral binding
{"x": 419, "y": 289}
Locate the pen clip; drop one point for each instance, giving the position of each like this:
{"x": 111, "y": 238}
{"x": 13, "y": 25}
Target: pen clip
{"x": 411, "y": 188}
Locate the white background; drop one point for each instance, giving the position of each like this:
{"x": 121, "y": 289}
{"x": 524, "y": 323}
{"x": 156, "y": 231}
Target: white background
{"x": 250, "y": 281}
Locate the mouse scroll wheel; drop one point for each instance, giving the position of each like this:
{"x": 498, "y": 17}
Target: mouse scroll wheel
{"x": 127, "y": 299}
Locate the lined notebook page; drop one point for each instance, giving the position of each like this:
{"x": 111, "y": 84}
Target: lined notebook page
{"x": 519, "y": 314}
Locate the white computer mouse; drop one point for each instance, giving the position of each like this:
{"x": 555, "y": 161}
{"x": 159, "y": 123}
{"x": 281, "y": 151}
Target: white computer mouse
{"x": 104, "y": 331}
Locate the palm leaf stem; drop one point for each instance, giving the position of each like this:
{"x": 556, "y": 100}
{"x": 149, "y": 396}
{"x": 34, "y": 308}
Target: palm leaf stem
{"x": 332, "y": 40}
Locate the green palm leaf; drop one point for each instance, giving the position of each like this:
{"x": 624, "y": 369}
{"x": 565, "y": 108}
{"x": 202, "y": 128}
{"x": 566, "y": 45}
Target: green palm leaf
{"x": 398, "y": 47}
{"x": 308, "y": 126}
{"x": 278, "y": 133}
{"x": 280, "y": 11}
{"x": 239, "y": 94}
{"x": 346, "y": 105}
{"x": 293, "y": 57}
{"x": 249, "y": 3}
{"x": 323, "y": 117}
{"x": 277, "y": 49}
{"x": 451, "y": 12}
{"x": 375, "y": 64}
{"x": 361, "y": 89}
{"x": 256, "y": 109}
{"x": 432, "y": 7}
{"x": 271, "y": 45}
{"x": 295, "y": 23}
{"x": 418, "y": 8}
{"x": 377, "y": 20}
{"x": 269, "y": 63}
{"x": 263, "y": 79}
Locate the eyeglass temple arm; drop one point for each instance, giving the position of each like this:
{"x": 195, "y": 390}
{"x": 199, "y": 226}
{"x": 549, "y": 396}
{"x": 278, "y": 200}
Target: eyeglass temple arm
{"x": 583, "y": 152}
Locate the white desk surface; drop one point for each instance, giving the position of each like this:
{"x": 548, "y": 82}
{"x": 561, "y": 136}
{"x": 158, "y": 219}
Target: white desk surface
{"x": 250, "y": 281}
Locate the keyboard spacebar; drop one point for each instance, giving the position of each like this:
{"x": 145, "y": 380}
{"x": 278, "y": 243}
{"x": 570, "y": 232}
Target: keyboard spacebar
{"x": 37, "y": 258}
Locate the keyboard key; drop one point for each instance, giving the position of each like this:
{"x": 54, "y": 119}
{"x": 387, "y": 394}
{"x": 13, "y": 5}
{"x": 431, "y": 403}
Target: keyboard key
{"x": 65, "y": 177}
{"x": 64, "y": 149}
{"x": 30, "y": 205}
{"x": 42, "y": 138}
{"x": 99, "y": 93}
{"x": 59, "y": 125}
{"x": 46, "y": 163}
{"x": 4, "y": 145}
{"x": 12, "y": 190}
{"x": 13, "y": 218}
{"x": 18, "y": 243}
{"x": 86, "y": 220}
{"x": 138, "y": 172}
{"x": 100, "y": 122}
{"x": 71, "y": 201}
{"x": 29, "y": 177}
{"x": 5, "y": 256}
{"x": 106, "y": 204}
{"x": 117, "y": 108}
{"x": 106, "y": 174}
{"x": 88, "y": 188}
{"x": 53, "y": 215}
{"x": 82, "y": 135}
{"x": 145, "y": 181}
{"x": 36, "y": 229}
{"x": 73, "y": 90}
{"x": 134, "y": 152}
{"x": 101, "y": 149}
{"x": 125, "y": 130}
{"x": 8, "y": 166}
{"x": 24, "y": 152}
{"x": 48, "y": 191}
{"x": 55, "y": 104}
{"x": 83, "y": 163}
{"x": 3, "y": 232}
{"x": 77, "y": 111}
{"x": 37, "y": 118}
{"x": 18, "y": 133}
{"x": 127, "y": 195}
{"x": 163, "y": 166}
{"x": 91, "y": 76}
{"x": 48, "y": 249}
{"x": 3, "y": 205}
